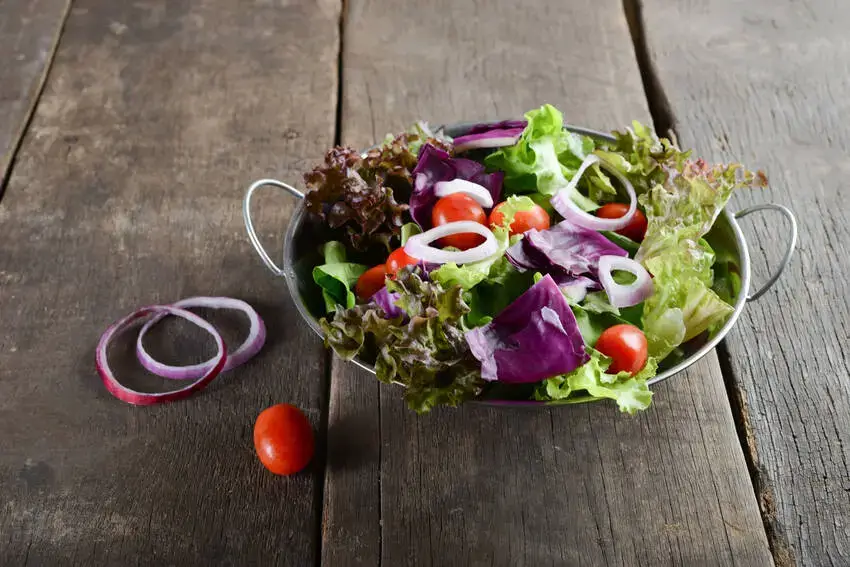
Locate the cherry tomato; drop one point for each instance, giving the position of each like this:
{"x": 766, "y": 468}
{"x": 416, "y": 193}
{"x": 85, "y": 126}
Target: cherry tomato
{"x": 459, "y": 207}
{"x": 371, "y": 281}
{"x": 399, "y": 259}
{"x": 283, "y": 439}
{"x": 523, "y": 221}
{"x": 635, "y": 230}
{"x": 626, "y": 346}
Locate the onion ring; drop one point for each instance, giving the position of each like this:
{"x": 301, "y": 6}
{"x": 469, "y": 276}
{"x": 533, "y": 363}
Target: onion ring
{"x": 131, "y": 396}
{"x": 247, "y": 350}
{"x": 564, "y": 204}
{"x": 419, "y": 246}
{"x": 624, "y": 295}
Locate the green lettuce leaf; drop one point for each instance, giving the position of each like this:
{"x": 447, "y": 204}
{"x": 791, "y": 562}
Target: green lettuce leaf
{"x": 408, "y": 230}
{"x": 681, "y": 198}
{"x": 679, "y": 214}
{"x": 595, "y": 314}
{"x": 631, "y": 393}
{"x": 599, "y": 187}
{"x": 727, "y": 280}
{"x": 623, "y": 242}
{"x": 334, "y": 252}
{"x": 597, "y": 302}
{"x": 545, "y": 157}
{"x": 489, "y": 285}
{"x": 686, "y": 206}
{"x": 591, "y": 324}
{"x": 336, "y": 277}
{"x": 428, "y": 355}
{"x": 640, "y": 155}
{"x": 683, "y": 304}
{"x": 491, "y": 296}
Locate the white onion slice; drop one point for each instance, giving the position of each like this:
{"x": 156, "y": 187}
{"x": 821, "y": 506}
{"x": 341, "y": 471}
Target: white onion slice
{"x": 478, "y": 142}
{"x": 624, "y": 295}
{"x": 564, "y": 204}
{"x": 130, "y": 396}
{"x": 479, "y": 193}
{"x": 419, "y": 246}
{"x": 250, "y": 347}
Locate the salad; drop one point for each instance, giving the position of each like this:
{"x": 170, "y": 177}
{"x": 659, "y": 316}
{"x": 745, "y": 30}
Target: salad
{"x": 520, "y": 260}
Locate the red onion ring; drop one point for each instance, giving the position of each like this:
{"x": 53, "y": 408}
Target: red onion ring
{"x": 247, "y": 350}
{"x": 130, "y": 396}
{"x": 564, "y": 204}
{"x": 624, "y": 295}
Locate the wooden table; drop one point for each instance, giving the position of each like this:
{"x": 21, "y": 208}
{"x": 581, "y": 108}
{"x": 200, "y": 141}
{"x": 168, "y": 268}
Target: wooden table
{"x": 129, "y": 132}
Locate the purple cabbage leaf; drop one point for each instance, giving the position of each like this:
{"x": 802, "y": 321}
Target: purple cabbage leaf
{"x": 534, "y": 338}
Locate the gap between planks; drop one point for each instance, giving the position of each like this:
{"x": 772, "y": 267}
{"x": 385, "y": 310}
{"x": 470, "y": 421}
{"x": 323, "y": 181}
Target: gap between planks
{"x": 7, "y": 164}
{"x": 665, "y": 121}
{"x": 324, "y": 421}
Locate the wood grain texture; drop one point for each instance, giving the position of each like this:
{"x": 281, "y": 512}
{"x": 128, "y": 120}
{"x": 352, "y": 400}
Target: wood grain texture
{"x": 29, "y": 30}
{"x": 485, "y": 486}
{"x": 127, "y": 191}
{"x": 766, "y": 83}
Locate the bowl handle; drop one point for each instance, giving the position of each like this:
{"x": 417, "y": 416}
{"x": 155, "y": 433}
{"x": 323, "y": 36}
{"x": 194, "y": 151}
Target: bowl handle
{"x": 249, "y": 224}
{"x": 789, "y": 250}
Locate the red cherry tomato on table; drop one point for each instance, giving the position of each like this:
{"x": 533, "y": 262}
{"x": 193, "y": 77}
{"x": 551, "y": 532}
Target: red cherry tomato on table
{"x": 636, "y": 229}
{"x": 283, "y": 439}
{"x": 371, "y": 281}
{"x": 454, "y": 208}
{"x": 626, "y": 346}
{"x": 399, "y": 259}
{"x": 523, "y": 221}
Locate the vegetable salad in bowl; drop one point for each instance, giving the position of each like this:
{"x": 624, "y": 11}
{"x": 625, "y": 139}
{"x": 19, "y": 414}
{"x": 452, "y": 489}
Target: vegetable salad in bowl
{"x": 521, "y": 261}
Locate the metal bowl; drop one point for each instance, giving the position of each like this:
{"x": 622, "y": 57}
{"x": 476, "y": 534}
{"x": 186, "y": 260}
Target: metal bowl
{"x": 301, "y": 254}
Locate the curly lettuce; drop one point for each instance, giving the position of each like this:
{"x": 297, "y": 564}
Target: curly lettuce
{"x": 679, "y": 213}
{"x": 683, "y": 304}
{"x": 345, "y": 192}
{"x": 643, "y": 157}
{"x": 366, "y": 194}
{"x": 630, "y": 392}
{"x": 427, "y": 354}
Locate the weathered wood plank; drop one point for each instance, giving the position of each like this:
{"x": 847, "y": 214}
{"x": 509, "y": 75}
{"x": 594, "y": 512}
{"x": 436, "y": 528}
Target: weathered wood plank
{"x": 127, "y": 191}
{"x": 29, "y": 30}
{"x": 766, "y": 82}
{"x": 482, "y": 486}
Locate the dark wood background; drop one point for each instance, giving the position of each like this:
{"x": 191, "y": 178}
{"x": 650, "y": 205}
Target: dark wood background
{"x": 129, "y": 132}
